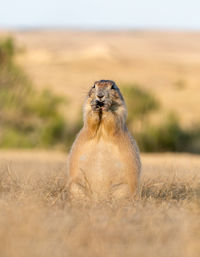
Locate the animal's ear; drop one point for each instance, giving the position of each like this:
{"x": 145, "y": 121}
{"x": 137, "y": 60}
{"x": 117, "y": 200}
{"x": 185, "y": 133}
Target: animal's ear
{"x": 113, "y": 87}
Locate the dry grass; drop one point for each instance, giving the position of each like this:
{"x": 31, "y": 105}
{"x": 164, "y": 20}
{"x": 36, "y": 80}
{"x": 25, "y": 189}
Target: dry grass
{"x": 37, "y": 220}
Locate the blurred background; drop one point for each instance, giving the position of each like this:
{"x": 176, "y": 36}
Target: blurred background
{"x": 51, "y": 52}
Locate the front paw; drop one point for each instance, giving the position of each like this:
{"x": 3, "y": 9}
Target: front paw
{"x": 106, "y": 107}
{"x": 95, "y": 107}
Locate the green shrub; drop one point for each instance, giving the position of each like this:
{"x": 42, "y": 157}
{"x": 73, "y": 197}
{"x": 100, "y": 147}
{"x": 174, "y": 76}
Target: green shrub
{"x": 12, "y": 137}
{"x": 166, "y": 136}
{"x": 7, "y": 51}
{"x": 28, "y": 118}
{"x": 140, "y": 103}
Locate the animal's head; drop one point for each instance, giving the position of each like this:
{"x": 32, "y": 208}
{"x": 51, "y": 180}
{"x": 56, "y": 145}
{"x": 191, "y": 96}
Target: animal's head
{"x": 105, "y": 95}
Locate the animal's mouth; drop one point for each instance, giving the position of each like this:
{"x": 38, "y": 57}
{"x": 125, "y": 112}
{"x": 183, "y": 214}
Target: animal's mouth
{"x": 99, "y": 104}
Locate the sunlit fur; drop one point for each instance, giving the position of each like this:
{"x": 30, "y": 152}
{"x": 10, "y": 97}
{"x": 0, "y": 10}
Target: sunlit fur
{"x": 104, "y": 161}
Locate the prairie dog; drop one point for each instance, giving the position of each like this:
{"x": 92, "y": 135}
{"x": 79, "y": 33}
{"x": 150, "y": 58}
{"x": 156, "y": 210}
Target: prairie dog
{"x": 104, "y": 161}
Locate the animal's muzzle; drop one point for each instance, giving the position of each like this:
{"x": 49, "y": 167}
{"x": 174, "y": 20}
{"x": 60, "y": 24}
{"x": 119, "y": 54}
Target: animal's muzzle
{"x": 100, "y": 97}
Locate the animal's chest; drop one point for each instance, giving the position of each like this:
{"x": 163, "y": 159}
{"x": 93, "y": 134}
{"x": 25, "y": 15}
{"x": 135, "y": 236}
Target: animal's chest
{"x": 100, "y": 161}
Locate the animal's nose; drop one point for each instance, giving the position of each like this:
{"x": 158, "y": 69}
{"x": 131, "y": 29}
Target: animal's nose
{"x": 100, "y": 96}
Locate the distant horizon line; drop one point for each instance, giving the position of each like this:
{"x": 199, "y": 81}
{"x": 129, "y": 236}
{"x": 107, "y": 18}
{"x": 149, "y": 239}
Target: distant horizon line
{"x": 97, "y": 28}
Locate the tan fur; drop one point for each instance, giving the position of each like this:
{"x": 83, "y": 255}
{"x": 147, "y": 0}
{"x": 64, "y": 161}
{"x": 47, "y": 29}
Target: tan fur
{"x": 104, "y": 161}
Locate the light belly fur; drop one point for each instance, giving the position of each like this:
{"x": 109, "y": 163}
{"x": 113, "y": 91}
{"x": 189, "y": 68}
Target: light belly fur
{"x": 99, "y": 163}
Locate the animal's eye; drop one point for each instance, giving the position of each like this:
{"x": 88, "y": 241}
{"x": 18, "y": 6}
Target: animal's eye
{"x": 113, "y": 87}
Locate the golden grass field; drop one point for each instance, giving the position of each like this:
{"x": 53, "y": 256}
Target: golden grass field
{"x": 36, "y": 218}
{"x": 68, "y": 62}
